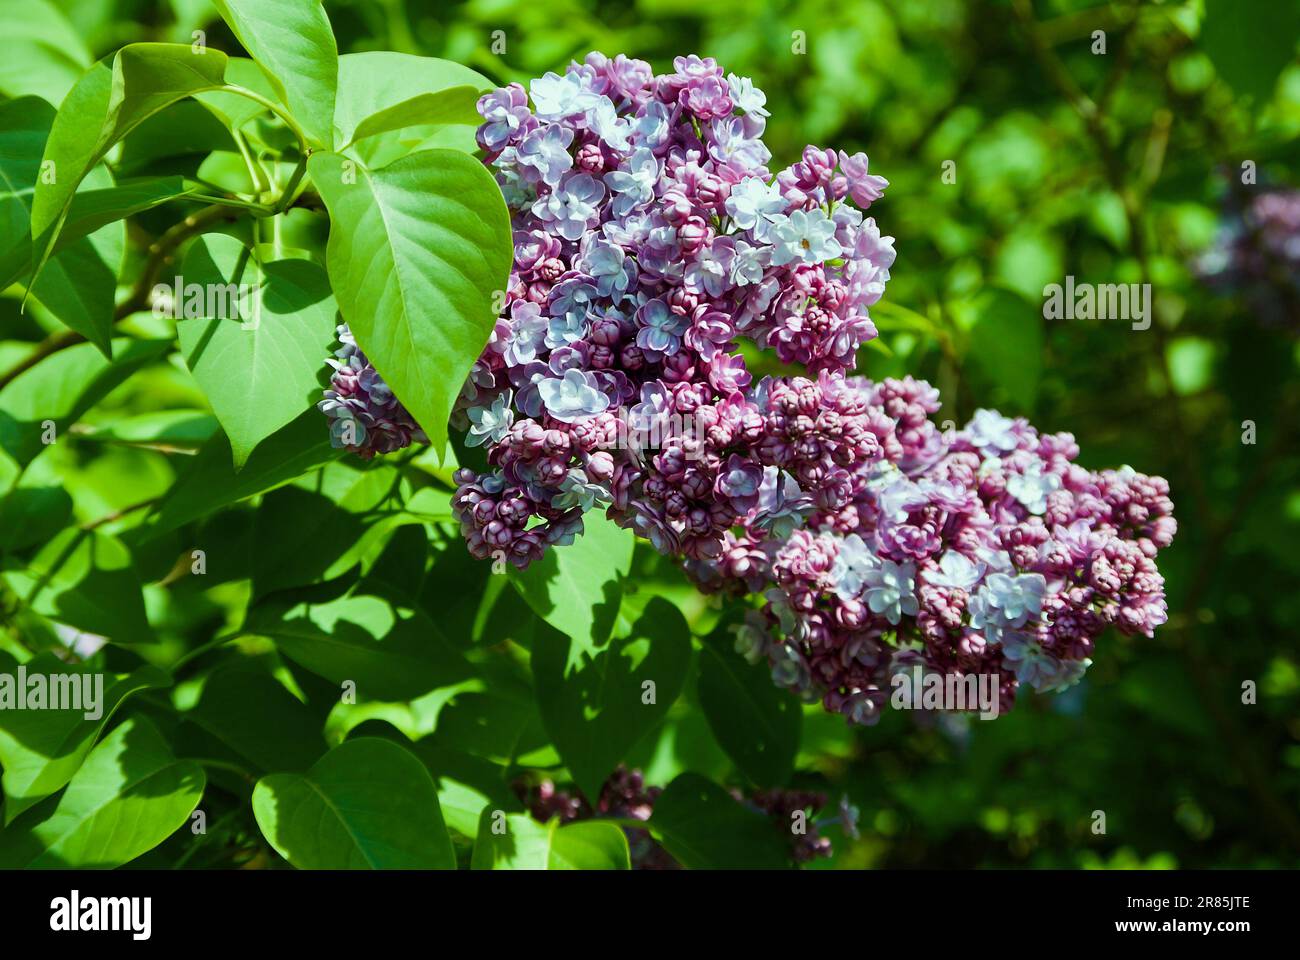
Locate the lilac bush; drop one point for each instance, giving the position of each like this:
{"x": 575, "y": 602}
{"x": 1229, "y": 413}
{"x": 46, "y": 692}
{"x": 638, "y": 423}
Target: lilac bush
{"x": 651, "y": 239}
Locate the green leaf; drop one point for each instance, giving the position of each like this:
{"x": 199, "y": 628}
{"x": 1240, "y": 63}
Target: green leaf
{"x": 594, "y": 702}
{"x": 525, "y": 844}
{"x": 24, "y": 125}
{"x": 43, "y": 53}
{"x": 42, "y": 750}
{"x": 455, "y": 105}
{"x": 375, "y": 80}
{"x": 1251, "y": 41}
{"x": 704, "y": 828}
{"x": 106, "y": 104}
{"x": 173, "y": 428}
{"x": 388, "y": 652}
{"x": 367, "y": 804}
{"x": 211, "y": 482}
{"x": 235, "y": 109}
{"x": 61, "y": 388}
{"x": 253, "y": 716}
{"x": 303, "y": 530}
{"x": 79, "y": 283}
{"x": 130, "y": 794}
{"x": 293, "y": 42}
{"x": 466, "y": 783}
{"x": 756, "y": 723}
{"x": 418, "y": 251}
{"x": 1006, "y": 343}
{"x": 87, "y": 579}
{"x": 31, "y": 513}
{"x": 576, "y": 589}
{"x": 259, "y": 358}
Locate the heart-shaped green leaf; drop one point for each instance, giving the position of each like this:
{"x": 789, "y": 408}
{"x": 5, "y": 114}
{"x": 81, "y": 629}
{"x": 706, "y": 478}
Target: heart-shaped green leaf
{"x": 367, "y": 804}
{"x": 418, "y": 254}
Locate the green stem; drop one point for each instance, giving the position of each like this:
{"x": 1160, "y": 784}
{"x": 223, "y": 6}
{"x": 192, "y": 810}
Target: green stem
{"x": 288, "y": 195}
{"x": 202, "y": 649}
{"x": 255, "y": 172}
{"x": 276, "y": 109}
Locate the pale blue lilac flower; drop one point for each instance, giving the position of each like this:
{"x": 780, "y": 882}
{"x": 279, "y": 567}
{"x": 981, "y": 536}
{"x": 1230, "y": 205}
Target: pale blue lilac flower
{"x": 634, "y": 185}
{"x": 748, "y": 262}
{"x": 890, "y": 590}
{"x": 573, "y": 206}
{"x": 505, "y": 116}
{"x": 573, "y": 397}
{"x": 731, "y": 142}
{"x": 782, "y": 505}
{"x": 558, "y": 97}
{"x": 1011, "y": 601}
{"x": 1033, "y": 486}
{"x": 660, "y": 329}
{"x": 544, "y": 153}
{"x": 710, "y": 271}
{"x": 956, "y": 572}
{"x": 853, "y": 561}
{"x": 753, "y": 205}
{"x": 651, "y": 128}
{"x": 989, "y": 429}
{"x": 746, "y": 96}
{"x": 567, "y": 328}
{"x": 527, "y": 334}
{"x": 609, "y": 266}
{"x": 576, "y": 490}
{"x": 604, "y": 121}
{"x": 489, "y": 424}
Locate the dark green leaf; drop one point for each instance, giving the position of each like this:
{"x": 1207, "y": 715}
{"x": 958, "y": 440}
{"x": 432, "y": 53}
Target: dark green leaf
{"x": 41, "y": 750}
{"x": 705, "y": 828}
{"x": 577, "y": 588}
{"x": 756, "y": 722}
{"x": 367, "y": 804}
{"x": 596, "y": 704}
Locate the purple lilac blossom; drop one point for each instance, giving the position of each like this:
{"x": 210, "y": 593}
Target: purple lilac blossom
{"x": 365, "y": 417}
{"x": 651, "y": 240}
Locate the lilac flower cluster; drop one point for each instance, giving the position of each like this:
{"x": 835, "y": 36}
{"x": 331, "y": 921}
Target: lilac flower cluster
{"x": 650, "y": 237}
{"x": 1257, "y": 253}
{"x": 365, "y": 417}
{"x": 625, "y": 796}
{"x": 987, "y": 551}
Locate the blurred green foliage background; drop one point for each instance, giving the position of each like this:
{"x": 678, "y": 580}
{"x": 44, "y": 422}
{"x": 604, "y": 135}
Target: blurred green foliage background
{"x": 1112, "y": 167}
